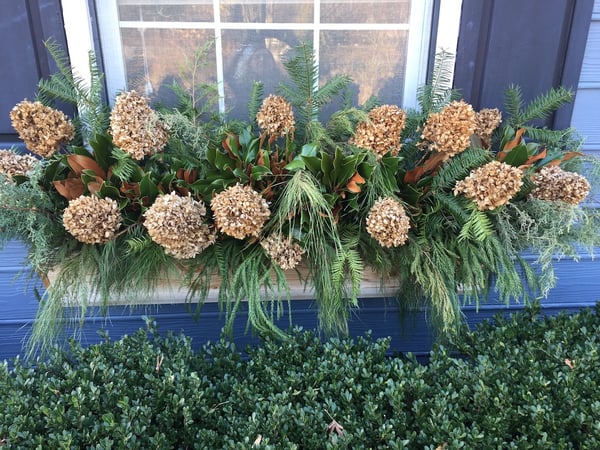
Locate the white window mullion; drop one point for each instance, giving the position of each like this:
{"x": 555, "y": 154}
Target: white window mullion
{"x": 219, "y": 55}
{"x": 317, "y": 39}
{"x": 112, "y": 51}
{"x": 417, "y": 54}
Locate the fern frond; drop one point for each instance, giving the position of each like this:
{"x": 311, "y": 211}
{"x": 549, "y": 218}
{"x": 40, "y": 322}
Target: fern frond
{"x": 434, "y": 95}
{"x": 124, "y": 166}
{"x": 513, "y": 104}
{"x": 256, "y": 96}
{"x": 478, "y": 227}
{"x": 545, "y": 104}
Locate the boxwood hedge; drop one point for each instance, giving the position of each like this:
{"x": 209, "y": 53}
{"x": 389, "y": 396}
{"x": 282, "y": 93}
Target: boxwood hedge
{"x": 524, "y": 382}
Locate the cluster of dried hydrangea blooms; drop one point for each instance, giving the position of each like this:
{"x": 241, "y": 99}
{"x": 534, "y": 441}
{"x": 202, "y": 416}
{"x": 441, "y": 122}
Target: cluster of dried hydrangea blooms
{"x": 239, "y": 211}
{"x": 486, "y": 122}
{"x": 449, "y": 131}
{"x": 276, "y": 117}
{"x": 286, "y": 253}
{"x": 491, "y": 185}
{"x": 381, "y": 134}
{"x": 92, "y": 220}
{"x": 43, "y": 129}
{"x": 135, "y": 127}
{"x": 388, "y": 222}
{"x": 556, "y": 184}
{"x": 12, "y": 164}
{"x": 177, "y": 224}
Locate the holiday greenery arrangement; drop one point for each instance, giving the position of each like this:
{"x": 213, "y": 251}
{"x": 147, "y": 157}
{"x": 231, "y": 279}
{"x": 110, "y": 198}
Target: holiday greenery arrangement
{"x": 443, "y": 200}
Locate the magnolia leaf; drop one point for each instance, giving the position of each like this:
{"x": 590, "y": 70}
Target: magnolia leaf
{"x": 71, "y": 188}
{"x": 431, "y": 164}
{"x": 108, "y": 191}
{"x": 147, "y": 187}
{"x": 79, "y": 163}
{"x": 309, "y": 150}
{"x": 297, "y": 163}
{"x": 355, "y": 182}
{"x": 567, "y": 156}
{"x": 534, "y": 158}
{"x": 516, "y": 141}
{"x": 101, "y": 145}
{"x": 517, "y": 156}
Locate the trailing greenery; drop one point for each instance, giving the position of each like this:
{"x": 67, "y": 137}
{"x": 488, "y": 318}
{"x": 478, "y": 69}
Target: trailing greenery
{"x": 523, "y": 382}
{"x": 311, "y": 207}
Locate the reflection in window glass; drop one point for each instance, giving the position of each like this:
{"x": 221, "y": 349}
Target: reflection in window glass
{"x": 156, "y": 57}
{"x": 357, "y": 11}
{"x": 255, "y": 55}
{"x": 375, "y": 60}
{"x": 267, "y": 11}
{"x": 367, "y": 40}
{"x": 202, "y": 12}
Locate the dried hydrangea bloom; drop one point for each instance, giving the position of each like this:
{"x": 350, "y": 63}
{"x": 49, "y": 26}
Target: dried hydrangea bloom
{"x": 388, "y": 222}
{"x": 381, "y": 134}
{"x": 491, "y": 185}
{"x": 177, "y": 224}
{"x": 92, "y": 220}
{"x": 486, "y": 122}
{"x": 43, "y": 129}
{"x": 12, "y": 164}
{"x": 276, "y": 116}
{"x": 135, "y": 127}
{"x": 286, "y": 253}
{"x": 450, "y": 130}
{"x": 556, "y": 184}
{"x": 240, "y": 211}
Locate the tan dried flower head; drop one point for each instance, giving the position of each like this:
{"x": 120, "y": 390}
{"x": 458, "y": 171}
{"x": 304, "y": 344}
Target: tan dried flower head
{"x": 276, "y": 116}
{"x": 491, "y": 185}
{"x": 556, "y": 184}
{"x": 91, "y": 219}
{"x": 381, "y": 134}
{"x": 388, "y": 222}
{"x": 43, "y": 129}
{"x": 240, "y": 211}
{"x": 177, "y": 224}
{"x": 450, "y": 130}
{"x": 135, "y": 127}
{"x": 486, "y": 121}
{"x": 286, "y": 253}
{"x": 12, "y": 164}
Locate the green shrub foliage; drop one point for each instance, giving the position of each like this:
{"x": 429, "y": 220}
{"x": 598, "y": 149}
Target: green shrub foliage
{"x": 525, "y": 382}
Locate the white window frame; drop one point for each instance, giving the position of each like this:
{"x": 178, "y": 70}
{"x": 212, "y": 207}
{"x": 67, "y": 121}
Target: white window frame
{"x": 80, "y": 39}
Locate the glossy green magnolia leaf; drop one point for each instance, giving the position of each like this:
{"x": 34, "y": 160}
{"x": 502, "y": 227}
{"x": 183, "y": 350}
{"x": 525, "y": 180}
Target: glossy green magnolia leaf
{"x": 109, "y": 191}
{"x": 147, "y": 187}
{"x": 517, "y": 156}
{"x": 309, "y": 150}
{"x": 102, "y": 147}
{"x": 296, "y": 164}
{"x": 259, "y": 171}
{"x": 313, "y": 163}
{"x": 327, "y": 168}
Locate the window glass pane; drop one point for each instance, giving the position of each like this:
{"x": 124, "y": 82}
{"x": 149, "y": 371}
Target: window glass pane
{"x": 251, "y": 55}
{"x": 375, "y": 60}
{"x": 267, "y": 11}
{"x": 367, "y": 40}
{"x": 202, "y": 12}
{"x": 357, "y": 11}
{"x": 156, "y": 57}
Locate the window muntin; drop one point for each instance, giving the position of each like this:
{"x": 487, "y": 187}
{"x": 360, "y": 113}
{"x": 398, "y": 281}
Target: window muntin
{"x": 383, "y": 45}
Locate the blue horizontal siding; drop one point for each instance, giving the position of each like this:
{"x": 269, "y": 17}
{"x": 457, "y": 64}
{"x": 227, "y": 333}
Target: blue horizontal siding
{"x": 577, "y": 288}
